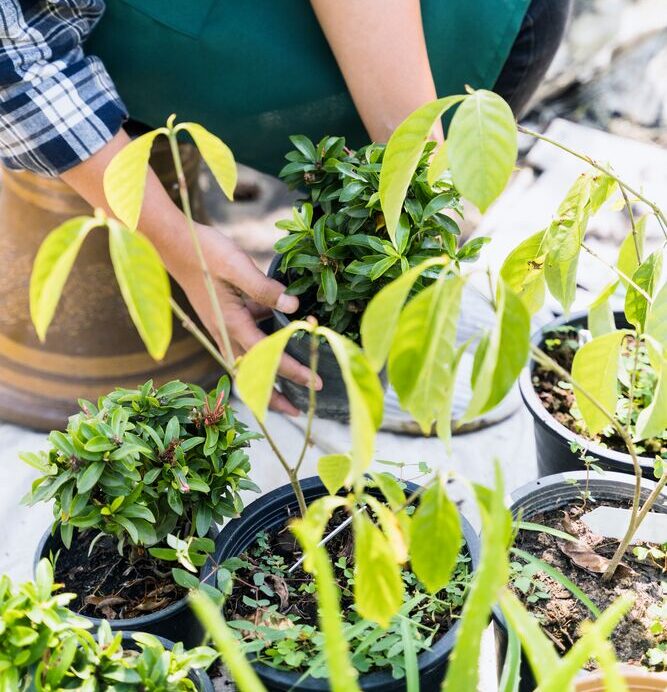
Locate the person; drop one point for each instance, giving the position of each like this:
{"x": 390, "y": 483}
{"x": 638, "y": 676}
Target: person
{"x": 253, "y": 73}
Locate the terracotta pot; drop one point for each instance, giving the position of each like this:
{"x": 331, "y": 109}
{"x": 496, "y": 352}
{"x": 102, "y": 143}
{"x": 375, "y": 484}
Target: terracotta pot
{"x": 92, "y": 345}
{"x": 637, "y": 680}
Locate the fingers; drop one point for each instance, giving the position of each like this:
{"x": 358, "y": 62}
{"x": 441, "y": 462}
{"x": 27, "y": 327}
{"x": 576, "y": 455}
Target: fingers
{"x": 242, "y": 273}
{"x": 279, "y": 403}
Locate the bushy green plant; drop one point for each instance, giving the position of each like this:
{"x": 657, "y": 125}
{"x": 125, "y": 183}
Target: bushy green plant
{"x": 147, "y": 462}
{"x": 337, "y": 253}
{"x": 44, "y": 646}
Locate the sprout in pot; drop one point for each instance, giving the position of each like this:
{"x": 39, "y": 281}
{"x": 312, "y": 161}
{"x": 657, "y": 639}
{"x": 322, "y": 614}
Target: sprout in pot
{"x": 142, "y": 477}
{"x": 45, "y": 646}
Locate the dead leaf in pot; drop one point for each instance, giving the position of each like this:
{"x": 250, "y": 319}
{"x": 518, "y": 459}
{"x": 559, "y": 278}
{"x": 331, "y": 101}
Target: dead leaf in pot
{"x": 151, "y": 605}
{"x": 280, "y": 587}
{"x": 582, "y": 555}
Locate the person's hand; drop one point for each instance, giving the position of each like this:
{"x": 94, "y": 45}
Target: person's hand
{"x": 245, "y": 295}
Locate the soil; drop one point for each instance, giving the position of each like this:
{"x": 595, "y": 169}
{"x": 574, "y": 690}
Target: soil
{"x": 113, "y": 586}
{"x": 560, "y": 402}
{"x": 561, "y": 614}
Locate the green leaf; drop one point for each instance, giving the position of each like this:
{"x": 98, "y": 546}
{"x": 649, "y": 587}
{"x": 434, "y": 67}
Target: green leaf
{"x": 435, "y": 538}
{"x": 600, "y": 315}
{"x": 490, "y": 577}
{"x": 509, "y": 681}
{"x": 365, "y": 396}
{"x": 257, "y": 369}
{"x": 503, "y": 355}
{"x": 378, "y": 587}
{"x": 482, "y": 147}
{"x": 656, "y": 319}
{"x": 627, "y": 261}
{"x": 305, "y": 146}
{"x": 217, "y": 154}
{"x": 51, "y": 268}
{"x": 523, "y": 271}
{"x": 439, "y": 164}
{"x": 144, "y": 285}
{"x": 423, "y": 351}
{"x": 44, "y": 579}
{"x": 595, "y": 371}
{"x": 334, "y": 470}
{"x": 402, "y": 154}
{"x": 563, "y": 241}
{"x": 226, "y": 642}
{"x": 646, "y": 277}
{"x": 329, "y": 285}
{"x": 379, "y": 321}
{"x": 125, "y": 178}
{"x": 90, "y": 476}
{"x": 652, "y": 421}
{"x": 409, "y": 657}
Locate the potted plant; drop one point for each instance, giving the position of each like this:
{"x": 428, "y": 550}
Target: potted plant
{"x": 337, "y": 254}
{"x": 138, "y": 481}
{"x": 46, "y": 646}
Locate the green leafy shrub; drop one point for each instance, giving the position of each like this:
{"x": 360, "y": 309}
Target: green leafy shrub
{"x": 145, "y": 463}
{"x": 45, "y": 646}
{"x": 337, "y": 252}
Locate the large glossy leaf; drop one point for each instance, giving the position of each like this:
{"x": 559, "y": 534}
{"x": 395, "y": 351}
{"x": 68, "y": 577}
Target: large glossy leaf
{"x": 378, "y": 587}
{"x": 144, "y": 285}
{"x": 404, "y": 149}
{"x": 378, "y": 323}
{"x": 217, "y": 154}
{"x": 435, "y": 538}
{"x": 125, "y": 178}
{"x": 523, "y": 271}
{"x": 563, "y": 241}
{"x": 365, "y": 396}
{"x": 422, "y": 356}
{"x": 256, "y": 374}
{"x": 308, "y": 530}
{"x": 53, "y": 263}
{"x": 502, "y": 356}
{"x": 646, "y": 276}
{"x": 595, "y": 371}
{"x": 482, "y": 147}
{"x": 490, "y": 577}
{"x": 226, "y": 643}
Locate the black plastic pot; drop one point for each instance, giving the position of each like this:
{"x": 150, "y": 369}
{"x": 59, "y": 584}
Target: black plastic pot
{"x": 198, "y": 676}
{"x": 551, "y": 492}
{"x": 271, "y": 512}
{"x": 332, "y": 398}
{"x": 176, "y": 622}
{"x": 552, "y": 439}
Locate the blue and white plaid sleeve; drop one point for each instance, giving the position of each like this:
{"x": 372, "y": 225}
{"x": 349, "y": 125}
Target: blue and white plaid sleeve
{"x": 57, "y": 106}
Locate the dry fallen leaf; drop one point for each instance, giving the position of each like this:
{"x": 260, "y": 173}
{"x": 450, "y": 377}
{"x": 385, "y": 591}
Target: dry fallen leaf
{"x": 582, "y": 555}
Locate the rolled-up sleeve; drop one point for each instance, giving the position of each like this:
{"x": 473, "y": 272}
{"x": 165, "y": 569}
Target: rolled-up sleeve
{"x": 57, "y": 105}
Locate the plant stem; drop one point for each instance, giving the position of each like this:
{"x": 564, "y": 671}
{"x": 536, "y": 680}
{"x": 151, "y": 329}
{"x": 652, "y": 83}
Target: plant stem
{"x": 633, "y": 225}
{"x": 591, "y": 162}
{"x": 208, "y": 280}
{"x": 545, "y": 360}
{"x": 619, "y": 273}
{"x": 312, "y": 398}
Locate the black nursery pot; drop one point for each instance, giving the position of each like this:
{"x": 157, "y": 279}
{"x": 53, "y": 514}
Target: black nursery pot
{"x": 176, "y": 622}
{"x": 271, "y": 512}
{"x": 200, "y": 678}
{"x": 332, "y": 398}
{"x": 558, "y": 490}
{"x": 552, "y": 439}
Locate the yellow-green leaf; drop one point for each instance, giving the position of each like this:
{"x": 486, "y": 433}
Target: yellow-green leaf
{"x": 645, "y": 277}
{"x": 600, "y": 315}
{"x": 438, "y": 165}
{"x": 378, "y": 586}
{"x": 435, "y": 539}
{"x": 631, "y": 251}
{"x": 482, "y": 147}
{"x": 404, "y": 149}
{"x": 217, "y": 154}
{"x": 144, "y": 285}
{"x": 365, "y": 396}
{"x": 257, "y": 369}
{"x": 393, "y": 527}
{"x": 656, "y": 319}
{"x": 523, "y": 271}
{"x": 652, "y": 421}
{"x": 53, "y": 264}
{"x": 379, "y": 321}
{"x": 334, "y": 470}
{"x": 595, "y": 371}
{"x": 125, "y": 178}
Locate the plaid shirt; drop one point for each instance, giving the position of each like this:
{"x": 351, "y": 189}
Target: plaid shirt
{"x": 57, "y": 106}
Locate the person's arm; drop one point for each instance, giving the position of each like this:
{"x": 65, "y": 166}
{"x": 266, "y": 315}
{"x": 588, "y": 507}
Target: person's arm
{"x": 380, "y": 48}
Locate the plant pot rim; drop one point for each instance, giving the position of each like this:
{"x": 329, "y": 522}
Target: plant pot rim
{"x": 131, "y": 624}
{"x": 427, "y": 659}
{"x": 543, "y": 417}
{"x": 633, "y": 675}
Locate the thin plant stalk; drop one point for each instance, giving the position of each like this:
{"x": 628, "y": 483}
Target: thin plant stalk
{"x": 619, "y": 273}
{"x": 633, "y": 225}
{"x": 312, "y": 399}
